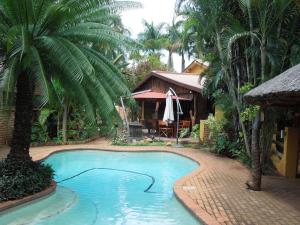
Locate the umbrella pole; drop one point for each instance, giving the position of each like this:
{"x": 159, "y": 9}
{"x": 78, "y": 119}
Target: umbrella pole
{"x": 177, "y": 133}
{"x": 179, "y": 111}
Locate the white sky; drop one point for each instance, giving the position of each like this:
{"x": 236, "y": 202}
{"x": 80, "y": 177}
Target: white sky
{"x": 158, "y": 11}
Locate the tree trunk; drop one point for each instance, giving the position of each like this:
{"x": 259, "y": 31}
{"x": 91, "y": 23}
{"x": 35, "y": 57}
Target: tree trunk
{"x": 255, "y": 155}
{"x": 263, "y": 58}
{"x": 232, "y": 93}
{"x": 23, "y": 119}
{"x": 253, "y": 64}
{"x": 58, "y": 125}
{"x": 170, "y": 60}
{"x": 64, "y": 123}
{"x": 182, "y": 61}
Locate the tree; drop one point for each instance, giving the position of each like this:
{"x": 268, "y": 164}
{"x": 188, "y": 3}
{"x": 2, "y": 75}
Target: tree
{"x": 247, "y": 42}
{"x": 45, "y": 40}
{"x": 152, "y": 38}
{"x": 173, "y": 41}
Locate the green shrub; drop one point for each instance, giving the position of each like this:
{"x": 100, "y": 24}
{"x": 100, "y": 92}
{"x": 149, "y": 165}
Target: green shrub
{"x": 193, "y": 134}
{"x": 184, "y": 133}
{"x": 39, "y": 133}
{"x": 120, "y": 137}
{"x": 19, "y": 179}
{"x": 195, "y": 131}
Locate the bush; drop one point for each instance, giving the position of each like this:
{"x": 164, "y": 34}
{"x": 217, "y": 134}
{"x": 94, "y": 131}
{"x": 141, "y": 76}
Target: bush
{"x": 184, "y": 133}
{"x": 120, "y": 137}
{"x": 195, "y": 131}
{"x": 193, "y": 134}
{"x": 19, "y": 179}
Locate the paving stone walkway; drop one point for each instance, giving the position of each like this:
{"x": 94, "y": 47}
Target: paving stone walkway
{"x": 216, "y": 191}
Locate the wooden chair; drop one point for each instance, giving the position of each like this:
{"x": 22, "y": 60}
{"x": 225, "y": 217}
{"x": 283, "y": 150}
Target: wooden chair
{"x": 164, "y": 130}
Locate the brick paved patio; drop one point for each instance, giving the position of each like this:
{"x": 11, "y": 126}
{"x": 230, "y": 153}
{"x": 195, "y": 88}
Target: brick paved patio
{"x": 216, "y": 191}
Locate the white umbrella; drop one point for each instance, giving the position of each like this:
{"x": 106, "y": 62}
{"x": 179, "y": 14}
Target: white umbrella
{"x": 169, "y": 112}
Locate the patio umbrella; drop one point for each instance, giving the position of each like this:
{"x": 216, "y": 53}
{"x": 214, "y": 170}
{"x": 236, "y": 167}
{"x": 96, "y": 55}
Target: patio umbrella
{"x": 169, "y": 112}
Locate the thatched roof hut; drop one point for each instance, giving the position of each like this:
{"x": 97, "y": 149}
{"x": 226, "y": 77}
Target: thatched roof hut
{"x": 282, "y": 90}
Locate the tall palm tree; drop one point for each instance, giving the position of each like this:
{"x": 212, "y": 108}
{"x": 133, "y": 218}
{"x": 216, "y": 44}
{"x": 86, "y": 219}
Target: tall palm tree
{"x": 153, "y": 37}
{"x": 244, "y": 53}
{"x": 41, "y": 40}
{"x": 173, "y": 41}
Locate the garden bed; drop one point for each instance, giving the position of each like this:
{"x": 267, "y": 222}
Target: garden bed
{"x": 36, "y": 144}
{"x": 13, "y": 203}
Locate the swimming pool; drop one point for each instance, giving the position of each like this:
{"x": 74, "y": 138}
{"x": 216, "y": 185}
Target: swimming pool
{"x": 110, "y": 188}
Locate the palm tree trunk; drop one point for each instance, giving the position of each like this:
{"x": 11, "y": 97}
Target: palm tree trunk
{"x": 263, "y": 58}
{"x": 170, "y": 60}
{"x": 232, "y": 93}
{"x": 253, "y": 66}
{"x": 255, "y": 155}
{"x": 64, "y": 123}
{"x": 58, "y": 125}
{"x": 182, "y": 61}
{"x": 23, "y": 119}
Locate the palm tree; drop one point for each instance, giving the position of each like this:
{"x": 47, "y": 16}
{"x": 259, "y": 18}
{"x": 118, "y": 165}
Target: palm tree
{"x": 152, "y": 38}
{"x": 173, "y": 41}
{"x": 246, "y": 41}
{"x": 42, "y": 40}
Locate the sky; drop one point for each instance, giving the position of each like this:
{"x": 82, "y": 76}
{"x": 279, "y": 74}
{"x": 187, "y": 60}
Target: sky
{"x": 156, "y": 11}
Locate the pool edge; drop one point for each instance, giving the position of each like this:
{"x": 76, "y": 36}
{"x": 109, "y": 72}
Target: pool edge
{"x": 184, "y": 199}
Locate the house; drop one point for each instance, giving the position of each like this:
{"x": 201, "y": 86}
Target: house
{"x": 283, "y": 91}
{"x": 196, "y": 67}
{"x": 150, "y": 95}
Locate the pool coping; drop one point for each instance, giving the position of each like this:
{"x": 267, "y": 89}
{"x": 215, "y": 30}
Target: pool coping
{"x": 180, "y": 194}
{"x": 15, "y": 203}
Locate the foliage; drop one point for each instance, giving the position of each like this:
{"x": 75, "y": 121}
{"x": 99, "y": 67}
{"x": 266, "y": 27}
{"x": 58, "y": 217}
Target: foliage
{"x": 195, "y": 131}
{"x": 246, "y": 43}
{"x": 120, "y": 137}
{"x": 249, "y": 113}
{"x": 215, "y": 127}
{"x": 152, "y": 37}
{"x": 143, "y": 67}
{"x": 184, "y": 133}
{"x": 39, "y": 133}
{"x": 22, "y": 178}
{"x": 65, "y": 40}
{"x": 238, "y": 152}
{"x": 193, "y": 134}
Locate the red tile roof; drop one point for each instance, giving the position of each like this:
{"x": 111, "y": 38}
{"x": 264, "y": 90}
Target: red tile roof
{"x": 154, "y": 95}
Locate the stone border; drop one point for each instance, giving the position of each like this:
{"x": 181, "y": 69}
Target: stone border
{"x": 14, "y": 203}
{"x": 187, "y": 202}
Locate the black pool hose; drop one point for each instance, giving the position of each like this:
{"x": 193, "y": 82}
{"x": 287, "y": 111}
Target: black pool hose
{"x": 147, "y": 190}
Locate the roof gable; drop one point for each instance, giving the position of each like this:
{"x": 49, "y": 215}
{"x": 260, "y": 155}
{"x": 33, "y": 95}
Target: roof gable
{"x": 196, "y": 67}
{"x": 188, "y": 81}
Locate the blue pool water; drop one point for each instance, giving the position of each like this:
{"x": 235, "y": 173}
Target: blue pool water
{"x": 110, "y": 188}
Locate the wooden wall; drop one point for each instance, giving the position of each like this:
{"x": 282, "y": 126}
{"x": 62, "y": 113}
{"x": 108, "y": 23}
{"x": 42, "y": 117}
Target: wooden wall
{"x": 159, "y": 85}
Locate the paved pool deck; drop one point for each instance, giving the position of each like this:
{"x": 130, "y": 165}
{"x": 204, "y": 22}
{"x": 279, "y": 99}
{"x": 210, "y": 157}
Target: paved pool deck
{"x": 216, "y": 191}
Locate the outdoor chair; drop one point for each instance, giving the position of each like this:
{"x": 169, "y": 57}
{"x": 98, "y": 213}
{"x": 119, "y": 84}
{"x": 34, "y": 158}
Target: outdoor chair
{"x": 164, "y": 130}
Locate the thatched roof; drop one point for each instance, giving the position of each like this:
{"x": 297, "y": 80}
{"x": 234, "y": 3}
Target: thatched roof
{"x": 282, "y": 90}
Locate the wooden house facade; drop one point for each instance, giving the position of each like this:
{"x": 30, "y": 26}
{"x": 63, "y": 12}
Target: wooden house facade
{"x": 151, "y": 96}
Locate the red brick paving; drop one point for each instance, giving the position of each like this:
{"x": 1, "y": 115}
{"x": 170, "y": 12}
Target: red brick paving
{"x": 216, "y": 191}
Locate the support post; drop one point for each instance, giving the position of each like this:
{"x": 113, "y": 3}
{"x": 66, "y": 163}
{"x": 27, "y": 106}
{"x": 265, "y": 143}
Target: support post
{"x": 179, "y": 112}
{"x": 125, "y": 114}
